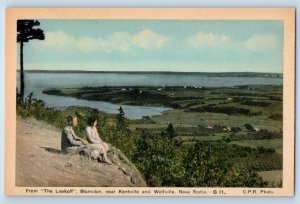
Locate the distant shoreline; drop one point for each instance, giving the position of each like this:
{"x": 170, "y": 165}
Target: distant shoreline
{"x": 174, "y": 96}
{"x": 211, "y": 74}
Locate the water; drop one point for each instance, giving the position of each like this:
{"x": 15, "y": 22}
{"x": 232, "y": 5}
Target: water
{"x": 36, "y": 82}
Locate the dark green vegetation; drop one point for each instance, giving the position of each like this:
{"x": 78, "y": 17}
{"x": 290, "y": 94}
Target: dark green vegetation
{"x": 129, "y": 95}
{"x": 239, "y": 100}
{"x": 213, "y": 136}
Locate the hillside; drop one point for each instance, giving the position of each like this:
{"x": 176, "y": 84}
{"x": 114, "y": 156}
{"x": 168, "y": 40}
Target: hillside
{"x": 39, "y": 162}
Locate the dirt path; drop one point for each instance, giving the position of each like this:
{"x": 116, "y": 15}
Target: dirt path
{"x": 39, "y": 163}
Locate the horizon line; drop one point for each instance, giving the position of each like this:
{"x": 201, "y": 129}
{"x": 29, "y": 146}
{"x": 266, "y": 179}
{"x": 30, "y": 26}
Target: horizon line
{"x": 183, "y": 72}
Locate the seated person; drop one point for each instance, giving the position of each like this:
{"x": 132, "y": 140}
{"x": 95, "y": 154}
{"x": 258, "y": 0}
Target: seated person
{"x": 70, "y": 142}
{"x": 92, "y": 136}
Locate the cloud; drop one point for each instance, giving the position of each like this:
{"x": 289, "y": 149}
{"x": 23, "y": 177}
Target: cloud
{"x": 57, "y": 40}
{"x": 85, "y": 43}
{"x": 120, "y": 41}
{"x": 255, "y": 43}
{"x": 208, "y": 39}
{"x": 148, "y": 39}
{"x": 117, "y": 41}
{"x": 261, "y": 41}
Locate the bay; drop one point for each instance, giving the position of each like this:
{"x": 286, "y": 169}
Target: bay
{"x": 36, "y": 82}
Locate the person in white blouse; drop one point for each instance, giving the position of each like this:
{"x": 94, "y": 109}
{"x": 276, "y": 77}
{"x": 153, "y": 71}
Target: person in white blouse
{"x": 93, "y": 137}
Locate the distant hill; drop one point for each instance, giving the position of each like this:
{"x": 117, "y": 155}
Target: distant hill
{"x": 211, "y": 74}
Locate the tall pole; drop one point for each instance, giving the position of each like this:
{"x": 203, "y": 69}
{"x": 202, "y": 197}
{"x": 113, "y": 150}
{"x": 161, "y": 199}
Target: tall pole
{"x": 22, "y": 85}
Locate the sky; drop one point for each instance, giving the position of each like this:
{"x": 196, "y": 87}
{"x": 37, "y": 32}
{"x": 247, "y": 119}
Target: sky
{"x": 158, "y": 45}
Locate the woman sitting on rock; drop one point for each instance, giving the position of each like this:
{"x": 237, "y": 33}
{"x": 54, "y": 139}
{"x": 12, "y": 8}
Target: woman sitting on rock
{"x": 93, "y": 138}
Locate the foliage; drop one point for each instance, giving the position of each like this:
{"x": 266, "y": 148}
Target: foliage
{"x": 169, "y": 132}
{"x": 35, "y": 108}
{"x": 158, "y": 159}
{"x": 259, "y": 135}
{"x": 276, "y": 116}
{"x": 255, "y": 103}
{"x": 229, "y": 110}
{"x": 205, "y": 165}
{"x": 208, "y": 164}
{"x": 121, "y": 120}
{"x": 245, "y": 178}
{"x": 165, "y": 161}
{"x": 27, "y": 31}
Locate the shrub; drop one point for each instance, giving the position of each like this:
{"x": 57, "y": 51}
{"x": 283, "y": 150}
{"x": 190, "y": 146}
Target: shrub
{"x": 276, "y": 116}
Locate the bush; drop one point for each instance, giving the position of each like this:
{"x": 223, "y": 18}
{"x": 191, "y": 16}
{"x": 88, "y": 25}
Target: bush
{"x": 35, "y": 108}
{"x": 276, "y": 116}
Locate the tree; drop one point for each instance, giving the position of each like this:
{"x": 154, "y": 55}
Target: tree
{"x": 205, "y": 165}
{"x": 158, "y": 159}
{"x": 26, "y": 31}
{"x": 121, "y": 120}
{"x": 169, "y": 132}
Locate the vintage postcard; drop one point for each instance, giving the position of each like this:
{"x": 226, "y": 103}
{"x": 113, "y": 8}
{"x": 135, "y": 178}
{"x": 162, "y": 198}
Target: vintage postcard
{"x": 149, "y": 102}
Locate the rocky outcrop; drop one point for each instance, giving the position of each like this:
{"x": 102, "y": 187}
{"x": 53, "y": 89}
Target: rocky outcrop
{"x": 40, "y": 163}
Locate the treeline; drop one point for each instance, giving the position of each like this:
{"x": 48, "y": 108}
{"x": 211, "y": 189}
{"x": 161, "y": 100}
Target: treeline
{"x": 229, "y": 110}
{"x": 200, "y": 130}
{"x": 259, "y": 135}
{"x": 255, "y": 103}
{"x": 249, "y": 102}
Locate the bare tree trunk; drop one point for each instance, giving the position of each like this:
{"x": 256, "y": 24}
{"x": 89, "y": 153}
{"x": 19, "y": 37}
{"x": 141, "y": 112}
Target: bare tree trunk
{"x": 22, "y": 85}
